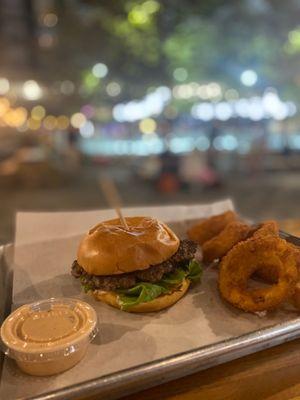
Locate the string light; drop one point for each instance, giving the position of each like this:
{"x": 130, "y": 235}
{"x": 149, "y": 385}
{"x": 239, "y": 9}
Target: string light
{"x": 147, "y": 125}
{"x": 100, "y": 70}
{"x": 38, "y": 112}
{"x": 63, "y": 122}
{"x": 50, "y": 20}
{"x": 113, "y": 89}
{"x": 4, "y": 105}
{"x": 32, "y": 90}
{"x": 4, "y": 86}
{"x": 33, "y": 124}
{"x": 50, "y": 122}
{"x": 77, "y": 120}
{"x": 67, "y": 87}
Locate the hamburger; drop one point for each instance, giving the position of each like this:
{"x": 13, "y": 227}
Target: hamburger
{"x": 140, "y": 269}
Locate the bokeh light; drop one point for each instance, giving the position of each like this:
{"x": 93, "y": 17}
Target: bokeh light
{"x": 113, "y": 89}
{"x": 67, "y": 87}
{"x": 50, "y": 20}
{"x": 50, "y": 122}
{"x": 90, "y": 81}
{"x": 231, "y": 94}
{"x": 77, "y": 120}
{"x": 4, "y": 105}
{"x": 147, "y": 125}
{"x": 46, "y": 40}
{"x": 180, "y": 74}
{"x": 38, "y": 112}
{"x": 33, "y": 124}
{"x": 15, "y": 118}
{"x": 87, "y": 130}
{"x": 203, "y": 111}
{"x": 32, "y": 90}
{"x": 249, "y": 77}
{"x": 151, "y": 6}
{"x": 63, "y": 122}
{"x": 4, "y": 86}
{"x": 100, "y": 70}
{"x": 88, "y": 110}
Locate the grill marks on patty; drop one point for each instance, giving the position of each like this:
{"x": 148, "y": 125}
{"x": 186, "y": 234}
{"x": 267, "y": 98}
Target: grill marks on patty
{"x": 185, "y": 253}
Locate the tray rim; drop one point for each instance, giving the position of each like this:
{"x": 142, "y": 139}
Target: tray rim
{"x": 159, "y": 371}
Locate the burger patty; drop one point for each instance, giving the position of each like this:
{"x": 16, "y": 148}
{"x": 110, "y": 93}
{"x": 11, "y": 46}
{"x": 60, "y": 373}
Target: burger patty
{"x": 184, "y": 254}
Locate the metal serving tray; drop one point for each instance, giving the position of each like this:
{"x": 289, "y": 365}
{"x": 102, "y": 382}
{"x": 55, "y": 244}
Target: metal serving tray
{"x": 131, "y": 380}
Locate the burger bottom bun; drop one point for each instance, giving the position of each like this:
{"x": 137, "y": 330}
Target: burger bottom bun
{"x": 157, "y": 304}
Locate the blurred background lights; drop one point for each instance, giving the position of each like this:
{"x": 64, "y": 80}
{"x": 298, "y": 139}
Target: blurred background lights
{"x": 228, "y": 142}
{"x": 33, "y": 124}
{"x": 90, "y": 81}
{"x": 147, "y": 125}
{"x": 113, "y": 89}
{"x": 203, "y": 111}
{"x": 292, "y": 109}
{"x": 202, "y": 92}
{"x": 214, "y": 90}
{"x": 100, "y": 70}
{"x": 223, "y": 111}
{"x": 63, "y": 122}
{"x": 32, "y": 90}
{"x": 163, "y": 92}
{"x": 152, "y": 104}
{"x": 38, "y": 112}
{"x": 183, "y": 91}
{"x": 67, "y": 87}
{"x": 50, "y": 20}
{"x": 141, "y": 14}
{"x": 255, "y": 109}
{"x": 151, "y": 6}
{"x": 231, "y": 94}
{"x": 16, "y": 117}
{"x": 241, "y": 108}
{"x": 77, "y": 120}
{"x": 50, "y": 122}
{"x": 249, "y": 77}
{"x": 180, "y": 74}
{"x": 20, "y": 116}
{"x": 88, "y": 110}
{"x": 87, "y": 130}
{"x": 45, "y": 39}
{"x": 4, "y": 105}
{"x": 202, "y": 143}
{"x": 4, "y": 86}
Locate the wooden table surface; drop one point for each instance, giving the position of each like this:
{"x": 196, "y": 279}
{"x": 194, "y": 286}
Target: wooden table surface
{"x": 272, "y": 374}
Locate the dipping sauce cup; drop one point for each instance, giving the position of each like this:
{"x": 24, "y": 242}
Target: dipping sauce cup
{"x": 49, "y": 336}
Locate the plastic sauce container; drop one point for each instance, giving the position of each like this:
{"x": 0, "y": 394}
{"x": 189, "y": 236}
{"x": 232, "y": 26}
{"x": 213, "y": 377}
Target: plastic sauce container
{"x": 49, "y": 336}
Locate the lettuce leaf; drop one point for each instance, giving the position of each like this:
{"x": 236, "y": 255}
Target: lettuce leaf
{"x": 194, "y": 271}
{"x": 145, "y": 291}
{"x": 85, "y": 285}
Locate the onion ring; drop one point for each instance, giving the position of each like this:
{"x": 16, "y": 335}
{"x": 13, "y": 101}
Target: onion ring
{"x": 268, "y": 228}
{"x": 250, "y": 256}
{"x": 206, "y": 229}
{"x": 264, "y": 229}
{"x": 218, "y": 246}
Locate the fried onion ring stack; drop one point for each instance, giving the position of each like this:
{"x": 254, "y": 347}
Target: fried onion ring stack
{"x": 244, "y": 252}
{"x": 218, "y": 246}
{"x": 208, "y": 228}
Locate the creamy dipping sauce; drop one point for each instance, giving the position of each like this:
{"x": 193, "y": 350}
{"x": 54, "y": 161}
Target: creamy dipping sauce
{"x": 49, "y": 336}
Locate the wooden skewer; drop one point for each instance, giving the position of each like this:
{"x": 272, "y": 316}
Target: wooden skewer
{"x": 112, "y": 196}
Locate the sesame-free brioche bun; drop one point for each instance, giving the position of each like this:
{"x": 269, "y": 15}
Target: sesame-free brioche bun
{"x": 110, "y": 249}
{"x": 157, "y": 304}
